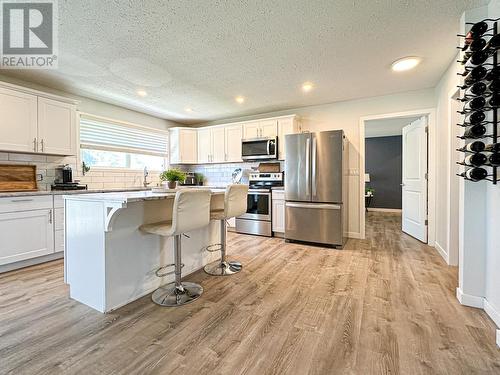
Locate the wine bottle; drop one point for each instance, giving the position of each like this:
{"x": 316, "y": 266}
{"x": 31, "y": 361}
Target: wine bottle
{"x": 476, "y": 146}
{"x": 477, "y": 58}
{"x": 493, "y": 44}
{"x": 475, "y": 117}
{"x": 475, "y": 174}
{"x": 476, "y": 160}
{"x": 494, "y": 101}
{"x": 475, "y": 131}
{"x": 494, "y": 159}
{"x": 478, "y": 29}
{"x": 494, "y": 73}
{"x": 475, "y": 46}
{"x": 476, "y": 74}
{"x": 474, "y": 104}
{"x": 492, "y": 147}
{"x": 494, "y": 86}
{"x": 476, "y": 89}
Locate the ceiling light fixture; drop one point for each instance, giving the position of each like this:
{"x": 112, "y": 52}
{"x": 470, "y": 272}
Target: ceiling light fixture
{"x": 142, "y": 93}
{"x": 405, "y": 63}
{"x": 239, "y": 99}
{"x": 188, "y": 109}
{"x": 307, "y": 86}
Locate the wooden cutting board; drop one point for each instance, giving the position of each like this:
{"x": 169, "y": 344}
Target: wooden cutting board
{"x": 17, "y": 177}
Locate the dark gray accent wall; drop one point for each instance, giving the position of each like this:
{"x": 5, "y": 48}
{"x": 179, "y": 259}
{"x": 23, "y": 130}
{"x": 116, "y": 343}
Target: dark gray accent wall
{"x": 384, "y": 163}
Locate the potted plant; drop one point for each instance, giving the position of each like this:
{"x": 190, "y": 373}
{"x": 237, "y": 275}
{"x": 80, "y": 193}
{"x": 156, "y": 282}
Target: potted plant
{"x": 199, "y": 178}
{"x": 172, "y": 176}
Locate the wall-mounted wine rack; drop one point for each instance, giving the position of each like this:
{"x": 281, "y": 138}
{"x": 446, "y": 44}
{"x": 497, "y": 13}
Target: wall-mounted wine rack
{"x": 480, "y": 95}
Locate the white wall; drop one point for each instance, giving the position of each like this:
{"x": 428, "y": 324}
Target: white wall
{"x": 346, "y": 115}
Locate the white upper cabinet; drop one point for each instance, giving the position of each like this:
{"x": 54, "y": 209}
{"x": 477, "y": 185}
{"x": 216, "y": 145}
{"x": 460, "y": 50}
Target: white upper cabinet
{"x": 233, "y": 136}
{"x": 204, "y": 145}
{"x": 34, "y": 123}
{"x": 286, "y": 125}
{"x": 251, "y": 130}
{"x": 18, "y": 128}
{"x": 268, "y": 128}
{"x": 183, "y": 146}
{"x": 56, "y": 127}
{"x": 259, "y": 129}
{"x": 218, "y": 145}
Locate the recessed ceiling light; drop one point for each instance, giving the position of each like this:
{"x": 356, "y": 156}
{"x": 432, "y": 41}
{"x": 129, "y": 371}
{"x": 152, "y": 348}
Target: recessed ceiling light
{"x": 406, "y": 63}
{"x": 239, "y": 99}
{"x": 307, "y": 86}
{"x": 188, "y": 109}
{"x": 142, "y": 93}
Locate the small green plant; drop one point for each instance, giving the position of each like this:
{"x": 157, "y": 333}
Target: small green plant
{"x": 369, "y": 191}
{"x": 199, "y": 178}
{"x": 173, "y": 175}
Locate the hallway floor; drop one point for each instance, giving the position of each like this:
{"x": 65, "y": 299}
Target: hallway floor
{"x": 384, "y": 305}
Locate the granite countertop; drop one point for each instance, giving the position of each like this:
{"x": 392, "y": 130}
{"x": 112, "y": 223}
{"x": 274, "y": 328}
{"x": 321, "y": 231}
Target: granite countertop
{"x": 67, "y": 192}
{"x": 130, "y": 196}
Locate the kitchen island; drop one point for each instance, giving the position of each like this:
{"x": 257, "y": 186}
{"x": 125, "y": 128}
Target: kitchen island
{"x": 109, "y": 262}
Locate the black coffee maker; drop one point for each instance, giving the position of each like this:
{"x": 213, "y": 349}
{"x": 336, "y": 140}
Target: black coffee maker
{"x": 64, "y": 180}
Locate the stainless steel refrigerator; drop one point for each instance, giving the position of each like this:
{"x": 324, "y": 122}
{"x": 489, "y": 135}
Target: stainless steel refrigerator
{"x": 316, "y": 188}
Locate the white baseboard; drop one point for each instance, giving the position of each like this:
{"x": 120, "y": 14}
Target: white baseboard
{"x": 441, "y": 252}
{"x": 356, "y": 235}
{"x": 374, "y": 209}
{"x": 469, "y": 299}
{"x": 493, "y": 312}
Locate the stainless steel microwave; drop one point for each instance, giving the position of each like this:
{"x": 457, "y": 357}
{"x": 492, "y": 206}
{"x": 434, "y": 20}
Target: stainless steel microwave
{"x": 259, "y": 148}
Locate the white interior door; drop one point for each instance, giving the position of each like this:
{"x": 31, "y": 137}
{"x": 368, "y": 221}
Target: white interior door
{"x": 415, "y": 179}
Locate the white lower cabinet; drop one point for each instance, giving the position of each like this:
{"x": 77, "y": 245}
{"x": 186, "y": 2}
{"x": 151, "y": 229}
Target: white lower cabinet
{"x": 25, "y": 235}
{"x": 278, "y": 211}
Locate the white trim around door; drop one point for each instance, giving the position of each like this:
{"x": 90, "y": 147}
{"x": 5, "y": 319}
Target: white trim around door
{"x": 431, "y": 120}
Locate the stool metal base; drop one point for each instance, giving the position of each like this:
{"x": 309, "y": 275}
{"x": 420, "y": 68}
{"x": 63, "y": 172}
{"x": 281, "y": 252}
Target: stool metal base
{"x": 223, "y": 268}
{"x": 170, "y": 295}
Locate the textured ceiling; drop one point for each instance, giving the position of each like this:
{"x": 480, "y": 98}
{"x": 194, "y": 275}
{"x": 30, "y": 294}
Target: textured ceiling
{"x": 386, "y": 127}
{"x": 201, "y": 54}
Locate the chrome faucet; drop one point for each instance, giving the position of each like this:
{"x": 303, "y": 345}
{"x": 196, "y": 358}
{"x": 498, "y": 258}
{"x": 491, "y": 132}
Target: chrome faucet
{"x": 146, "y": 174}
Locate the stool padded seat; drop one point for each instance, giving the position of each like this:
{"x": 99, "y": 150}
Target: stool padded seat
{"x": 217, "y": 215}
{"x": 163, "y": 228}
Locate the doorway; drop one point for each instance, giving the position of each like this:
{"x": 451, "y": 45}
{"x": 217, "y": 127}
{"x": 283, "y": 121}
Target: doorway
{"x": 397, "y": 170}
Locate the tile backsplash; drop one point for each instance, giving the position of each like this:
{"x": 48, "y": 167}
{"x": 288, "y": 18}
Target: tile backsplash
{"x": 95, "y": 178}
{"x": 220, "y": 174}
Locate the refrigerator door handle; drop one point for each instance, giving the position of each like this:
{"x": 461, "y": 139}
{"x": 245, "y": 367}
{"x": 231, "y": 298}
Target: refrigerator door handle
{"x": 313, "y": 166}
{"x": 322, "y": 206}
{"x": 308, "y": 162}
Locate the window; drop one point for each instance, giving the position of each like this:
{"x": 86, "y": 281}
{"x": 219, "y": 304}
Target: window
{"x": 107, "y": 144}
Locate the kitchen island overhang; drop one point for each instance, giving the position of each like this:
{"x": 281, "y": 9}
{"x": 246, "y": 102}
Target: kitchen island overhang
{"x": 109, "y": 262}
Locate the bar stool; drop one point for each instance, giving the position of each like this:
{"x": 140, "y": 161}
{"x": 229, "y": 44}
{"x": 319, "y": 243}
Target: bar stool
{"x": 235, "y": 204}
{"x": 191, "y": 210}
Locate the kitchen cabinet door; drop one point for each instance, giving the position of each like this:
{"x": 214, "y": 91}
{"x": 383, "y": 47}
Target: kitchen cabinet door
{"x": 278, "y": 216}
{"x": 18, "y": 127}
{"x": 26, "y": 235}
{"x": 233, "y": 135}
{"x": 285, "y": 126}
{"x": 204, "y": 145}
{"x": 56, "y": 127}
{"x": 182, "y": 145}
{"x": 251, "y": 130}
{"x": 218, "y": 145}
{"x": 268, "y": 128}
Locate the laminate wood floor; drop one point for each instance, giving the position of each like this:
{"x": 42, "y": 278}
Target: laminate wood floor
{"x": 385, "y": 305}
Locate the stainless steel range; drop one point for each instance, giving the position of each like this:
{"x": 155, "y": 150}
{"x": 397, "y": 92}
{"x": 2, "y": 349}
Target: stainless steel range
{"x": 257, "y": 219}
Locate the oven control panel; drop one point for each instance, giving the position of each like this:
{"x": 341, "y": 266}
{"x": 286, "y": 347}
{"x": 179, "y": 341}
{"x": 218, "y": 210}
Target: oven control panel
{"x": 259, "y": 176}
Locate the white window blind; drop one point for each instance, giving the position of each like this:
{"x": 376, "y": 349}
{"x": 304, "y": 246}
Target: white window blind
{"x": 105, "y": 135}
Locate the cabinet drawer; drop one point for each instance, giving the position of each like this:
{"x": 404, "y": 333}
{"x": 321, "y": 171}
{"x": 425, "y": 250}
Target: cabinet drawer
{"x": 59, "y": 218}
{"x": 58, "y": 201}
{"x": 25, "y": 203}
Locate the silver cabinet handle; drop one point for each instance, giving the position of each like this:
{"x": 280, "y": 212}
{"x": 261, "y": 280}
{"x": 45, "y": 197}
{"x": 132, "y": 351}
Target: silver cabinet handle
{"x": 313, "y": 166}
{"x": 21, "y": 200}
{"x": 50, "y": 216}
{"x": 35, "y": 144}
{"x": 308, "y": 158}
{"x": 321, "y": 206}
